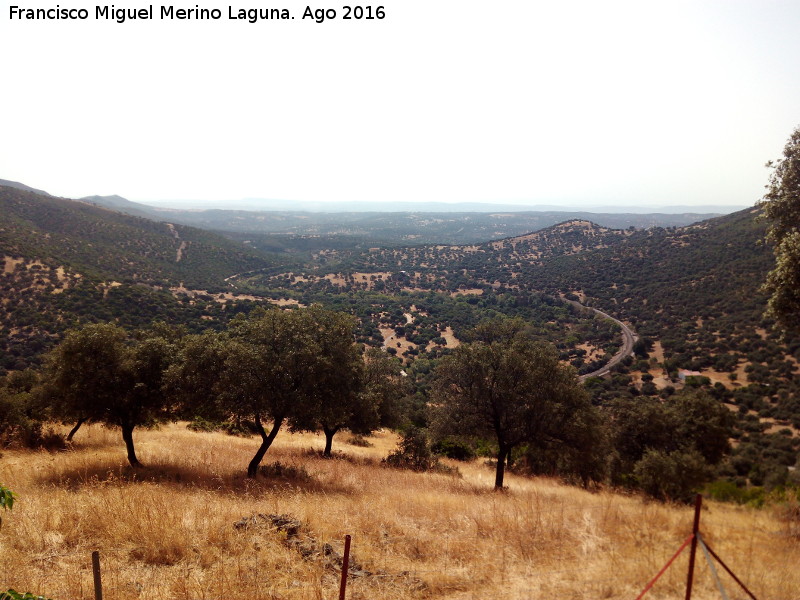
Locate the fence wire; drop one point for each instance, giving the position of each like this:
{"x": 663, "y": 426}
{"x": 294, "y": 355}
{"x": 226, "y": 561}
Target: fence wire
{"x": 503, "y": 577}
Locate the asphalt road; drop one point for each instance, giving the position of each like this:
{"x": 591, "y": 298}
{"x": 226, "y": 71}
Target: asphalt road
{"x": 628, "y": 338}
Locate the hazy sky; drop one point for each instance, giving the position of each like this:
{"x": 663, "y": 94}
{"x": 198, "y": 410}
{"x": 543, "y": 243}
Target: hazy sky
{"x": 573, "y": 103}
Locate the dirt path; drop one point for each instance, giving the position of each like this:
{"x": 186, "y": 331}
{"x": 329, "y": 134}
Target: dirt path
{"x": 176, "y": 235}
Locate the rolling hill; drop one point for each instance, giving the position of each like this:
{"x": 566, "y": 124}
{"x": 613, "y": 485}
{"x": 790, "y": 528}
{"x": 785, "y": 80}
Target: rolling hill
{"x": 65, "y": 262}
{"x": 21, "y": 186}
{"x": 107, "y": 245}
{"x": 370, "y": 228}
{"x": 691, "y": 293}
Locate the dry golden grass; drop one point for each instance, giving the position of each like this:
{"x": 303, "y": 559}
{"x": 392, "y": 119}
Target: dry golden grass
{"x": 167, "y": 531}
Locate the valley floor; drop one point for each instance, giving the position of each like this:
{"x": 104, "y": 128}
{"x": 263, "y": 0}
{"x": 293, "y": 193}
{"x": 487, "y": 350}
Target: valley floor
{"x": 167, "y": 531}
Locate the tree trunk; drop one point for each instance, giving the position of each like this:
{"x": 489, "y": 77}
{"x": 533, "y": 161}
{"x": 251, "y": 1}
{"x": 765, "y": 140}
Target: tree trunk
{"x": 266, "y": 442}
{"x": 127, "y": 435}
{"x": 74, "y": 430}
{"x": 329, "y": 433}
{"x": 502, "y": 456}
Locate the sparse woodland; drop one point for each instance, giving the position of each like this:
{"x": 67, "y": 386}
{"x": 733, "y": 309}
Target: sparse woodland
{"x": 384, "y": 392}
{"x": 169, "y": 530}
{"x": 503, "y": 394}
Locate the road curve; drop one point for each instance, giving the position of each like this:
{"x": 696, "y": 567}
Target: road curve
{"x": 628, "y": 338}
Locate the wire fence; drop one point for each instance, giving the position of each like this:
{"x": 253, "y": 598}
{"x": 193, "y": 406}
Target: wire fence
{"x": 440, "y": 570}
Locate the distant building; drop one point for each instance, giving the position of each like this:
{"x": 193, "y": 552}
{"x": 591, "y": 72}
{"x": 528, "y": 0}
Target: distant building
{"x": 683, "y": 374}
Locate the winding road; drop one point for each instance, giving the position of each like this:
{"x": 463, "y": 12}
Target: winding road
{"x": 628, "y": 339}
{"x": 628, "y": 336}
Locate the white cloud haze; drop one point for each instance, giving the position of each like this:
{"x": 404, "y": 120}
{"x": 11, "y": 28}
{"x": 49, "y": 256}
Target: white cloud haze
{"x": 627, "y": 103}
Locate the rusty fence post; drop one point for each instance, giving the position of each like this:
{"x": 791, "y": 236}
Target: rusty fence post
{"x": 698, "y": 503}
{"x": 345, "y": 567}
{"x": 98, "y": 586}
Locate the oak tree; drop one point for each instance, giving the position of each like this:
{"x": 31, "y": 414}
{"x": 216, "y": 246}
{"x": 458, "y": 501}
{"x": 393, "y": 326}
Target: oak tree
{"x": 269, "y": 360}
{"x": 506, "y": 387}
{"x": 781, "y": 205}
{"x": 335, "y": 379}
{"x": 100, "y": 374}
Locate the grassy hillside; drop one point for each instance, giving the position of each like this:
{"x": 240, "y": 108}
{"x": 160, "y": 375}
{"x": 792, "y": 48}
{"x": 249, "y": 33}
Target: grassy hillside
{"x": 168, "y": 531}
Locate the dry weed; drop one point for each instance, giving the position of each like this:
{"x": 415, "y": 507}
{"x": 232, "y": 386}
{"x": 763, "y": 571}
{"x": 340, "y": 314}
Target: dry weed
{"x": 167, "y": 530}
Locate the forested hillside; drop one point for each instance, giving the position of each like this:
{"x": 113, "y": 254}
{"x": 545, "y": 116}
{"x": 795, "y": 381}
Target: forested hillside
{"x": 105, "y": 245}
{"x": 695, "y": 290}
{"x": 448, "y": 268}
{"x": 667, "y": 278}
{"x": 66, "y": 262}
{"x": 692, "y": 285}
{"x": 690, "y": 293}
{"x": 694, "y": 295}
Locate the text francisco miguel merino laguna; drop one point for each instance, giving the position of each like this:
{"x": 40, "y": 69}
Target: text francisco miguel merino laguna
{"x": 251, "y": 15}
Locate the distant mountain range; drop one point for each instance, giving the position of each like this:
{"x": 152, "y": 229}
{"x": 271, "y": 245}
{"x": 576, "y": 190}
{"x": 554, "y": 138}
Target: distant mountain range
{"x": 474, "y": 224}
{"x": 262, "y": 204}
{"x": 21, "y": 186}
{"x": 108, "y": 245}
{"x": 267, "y": 224}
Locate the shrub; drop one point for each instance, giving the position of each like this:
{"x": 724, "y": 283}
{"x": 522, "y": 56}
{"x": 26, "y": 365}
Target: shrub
{"x": 360, "y": 441}
{"x": 674, "y": 476}
{"x": 278, "y": 470}
{"x": 7, "y": 498}
{"x": 15, "y": 425}
{"x": 14, "y": 595}
{"x": 413, "y": 452}
{"x": 18, "y": 428}
{"x": 454, "y": 448}
{"x": 697, "y": 381}
{"x": 728, "y": 491}
{"x": 49, "y": 439}
{"x": 238, "y": 427}
{"x": 201, "y": 424}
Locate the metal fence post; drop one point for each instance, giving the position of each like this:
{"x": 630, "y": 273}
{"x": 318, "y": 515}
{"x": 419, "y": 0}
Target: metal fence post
{"x": 98, "y": 585}
{"x": 698, "y": 503}
{"x": 345, "y": 567}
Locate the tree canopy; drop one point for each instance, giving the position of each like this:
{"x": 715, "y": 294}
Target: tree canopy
{"x": 300, "y": 368}
{"x": 99, "y": 373}
{"x": 335, "y": 378}
{"x": 267, "y": 373}
{"x": 506, "y": 387}
{"x": 782, "y": 206}
{"x": 668, "y": 448}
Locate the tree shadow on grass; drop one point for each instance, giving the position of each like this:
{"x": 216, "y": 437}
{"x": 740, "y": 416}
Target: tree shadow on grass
{"x": 271, "y": 477}
{"x": 313, "y": 453}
